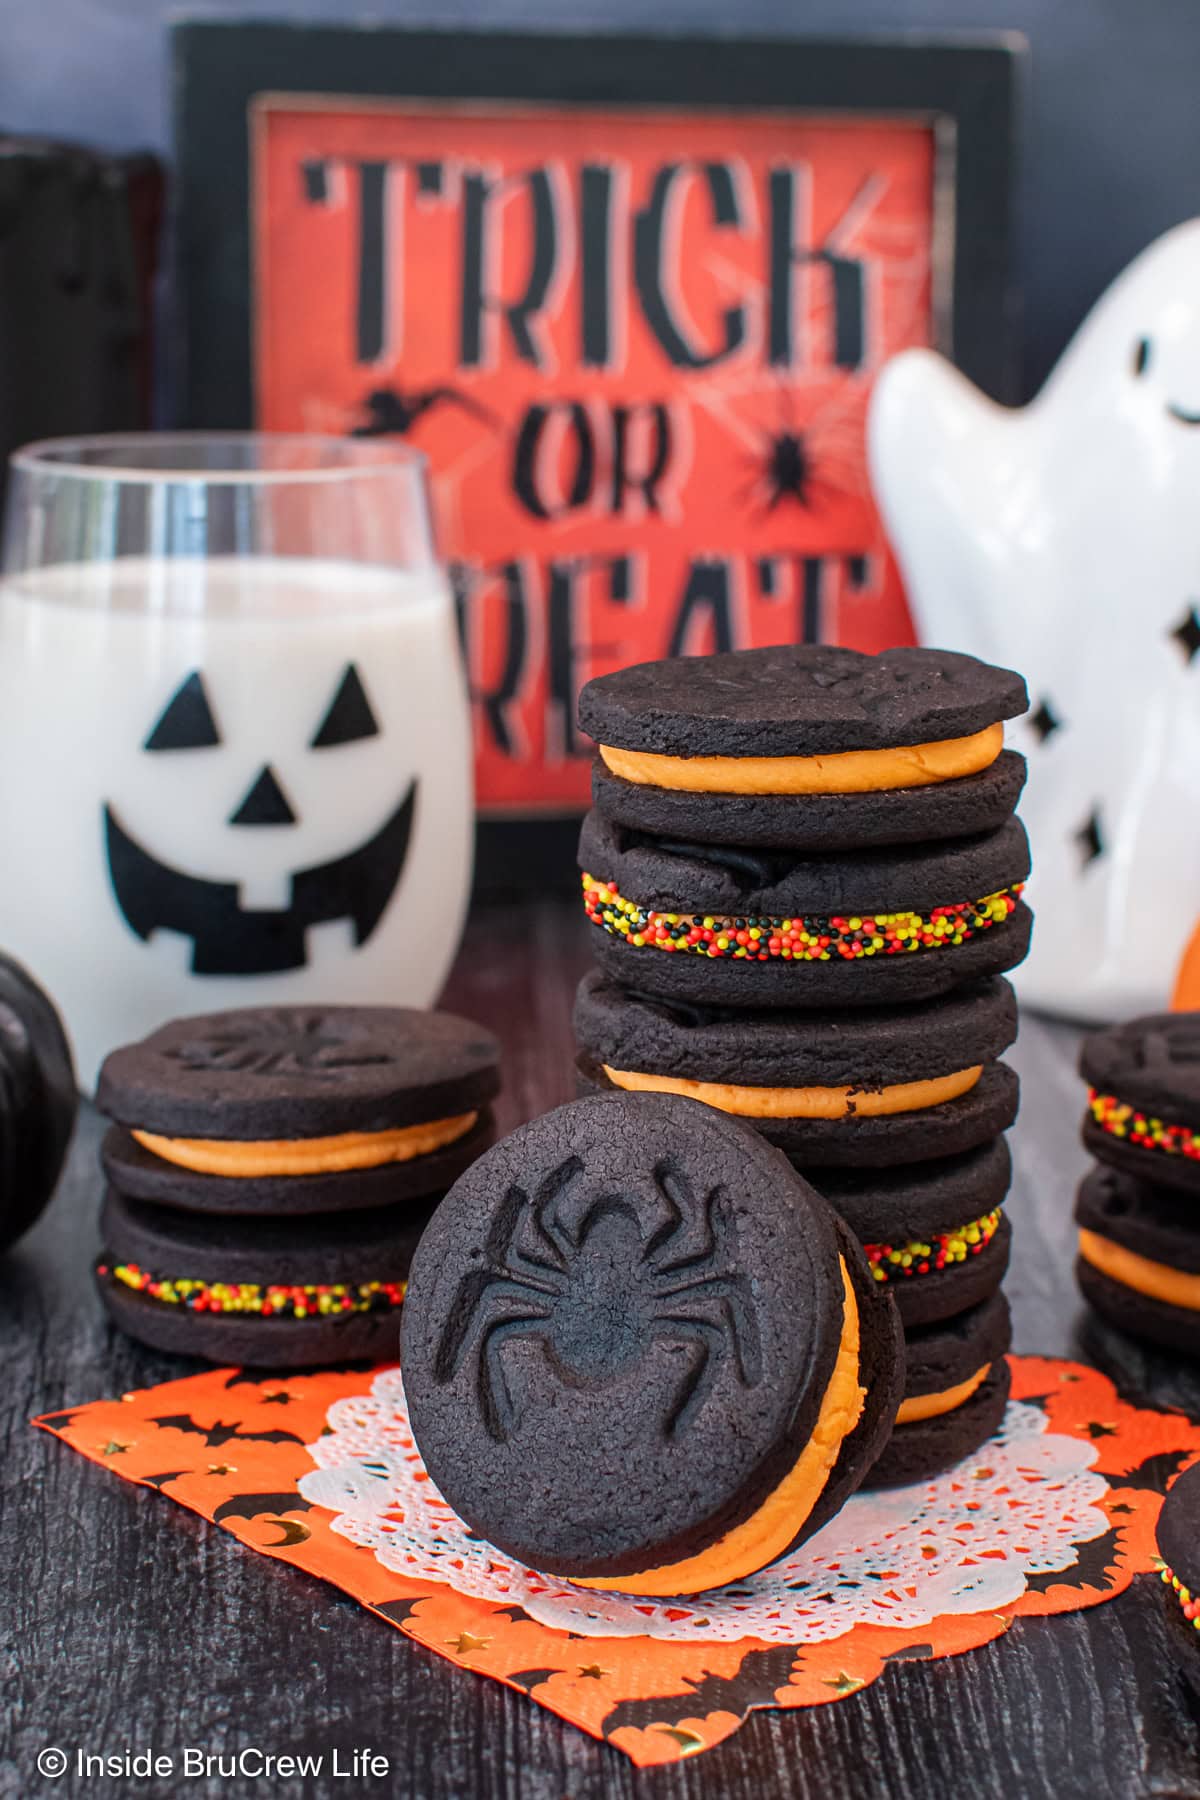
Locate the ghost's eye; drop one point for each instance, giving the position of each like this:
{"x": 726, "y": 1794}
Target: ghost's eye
{"x": 349, "y": 716}
{"x": 1090, "y": 838}
{"x": 186, "y": 722}
{"x": 1045, "y": 720}
{"x": 1141, "y": 356}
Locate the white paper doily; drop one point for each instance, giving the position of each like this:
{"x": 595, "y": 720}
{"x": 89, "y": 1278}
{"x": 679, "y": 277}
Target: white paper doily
{"x": 962, "y": 1543}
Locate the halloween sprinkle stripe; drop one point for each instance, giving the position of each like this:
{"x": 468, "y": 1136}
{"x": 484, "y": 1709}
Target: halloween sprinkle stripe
{"x": 272, "y": 1301}
{"x": 1190, "y": 1606}
{"x": 1124, "y": 1121}
{"x": 891, "y": 1261}
{"x": 800, "y": 939}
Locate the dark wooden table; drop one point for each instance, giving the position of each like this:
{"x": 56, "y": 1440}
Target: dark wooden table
{"x": 126, "y": 1621}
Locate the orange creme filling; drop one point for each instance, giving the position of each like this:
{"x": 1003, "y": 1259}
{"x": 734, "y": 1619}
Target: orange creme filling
{"x": 308, "y": 1156}
{"x": 845, "y": 772}
{"x": 932, "y": 1406}
{"x": 771, "y": 1528}
{"x": 1154, "y": 1279}
{"x": 805, "y": 1102}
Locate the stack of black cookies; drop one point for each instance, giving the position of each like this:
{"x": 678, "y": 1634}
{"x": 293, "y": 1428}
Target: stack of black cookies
{"x": 270, "y": 1172}
{"x": 804, "y": 877}
{"x": 1139, "y": 1229}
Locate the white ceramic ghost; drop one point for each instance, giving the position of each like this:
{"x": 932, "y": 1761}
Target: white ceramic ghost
{"x": 1063, "y": 539}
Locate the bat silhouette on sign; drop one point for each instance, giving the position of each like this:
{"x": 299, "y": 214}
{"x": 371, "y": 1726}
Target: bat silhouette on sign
{"x": 393, "y": 410}
{"x": 218, "y": 1434}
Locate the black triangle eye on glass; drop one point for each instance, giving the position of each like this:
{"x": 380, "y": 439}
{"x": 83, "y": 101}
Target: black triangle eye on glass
{"x": 188, "y": 722}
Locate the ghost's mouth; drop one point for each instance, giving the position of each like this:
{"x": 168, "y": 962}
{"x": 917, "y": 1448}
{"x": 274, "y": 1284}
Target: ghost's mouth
{"x": 1181, "y": 414}
{"x": 228, "y": 939}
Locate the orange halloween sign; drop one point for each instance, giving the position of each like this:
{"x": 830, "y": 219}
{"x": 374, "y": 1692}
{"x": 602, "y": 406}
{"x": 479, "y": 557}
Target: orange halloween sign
{"x": 637, "y": 346}
{"x": 231, "y": 1446}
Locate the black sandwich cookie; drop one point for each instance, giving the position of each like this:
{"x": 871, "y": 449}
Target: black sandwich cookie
{"x": 956, "y": 1388}
{"x": 1139, "y": 1257}
{"x": 734, "y": 927}
{"x": 934, "y": 1233}
{"x": 1178, "y": 1534}
{"x": 298, "y": 1109}
{"x": 1144, "y": 1098}
{"x": 806, "y": 746}
{"x": 639, "y": 1351}
{"x": 278, "y": 1293}
{"x": 141, "y": 1175}
{"x": 817, "y": 823}
{"x": 866, "y": 1088}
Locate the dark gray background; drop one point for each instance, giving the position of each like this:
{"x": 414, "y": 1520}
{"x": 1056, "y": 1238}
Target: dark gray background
{"x": 1112, "y": 139}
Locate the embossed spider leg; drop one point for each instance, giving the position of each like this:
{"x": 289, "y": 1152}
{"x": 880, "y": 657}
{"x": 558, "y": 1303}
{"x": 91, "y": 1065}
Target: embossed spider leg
{"x": 467, "y": 1317}
{"x": 698, "y": 1247}
{"x": 502, "y": 1274}
{"x": 729, "y": 1298}
{"x": 543, "y": 1241}
{"x": 488, "y": 1311}
{"x": 577, "y": 1208}
{"x": 689, "y": 1232}
{"x": 496, "y": 1407}
{"x": 711, "y": 1275}
{"x": 709, "y": 1340}
{"x": 693, "y": 1235}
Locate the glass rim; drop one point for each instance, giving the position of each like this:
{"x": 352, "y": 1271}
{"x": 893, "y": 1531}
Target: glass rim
{"x": 66, "y": 457}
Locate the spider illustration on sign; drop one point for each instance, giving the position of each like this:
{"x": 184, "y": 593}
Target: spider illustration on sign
{"x": 598, "y": 1277}
{"x": 809, "y": 462}
{"x": 394, "y": 411}
{"x": 787, "y": 470}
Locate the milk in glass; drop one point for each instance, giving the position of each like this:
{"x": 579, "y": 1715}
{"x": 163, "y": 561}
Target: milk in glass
{"x": 229, "y": 781}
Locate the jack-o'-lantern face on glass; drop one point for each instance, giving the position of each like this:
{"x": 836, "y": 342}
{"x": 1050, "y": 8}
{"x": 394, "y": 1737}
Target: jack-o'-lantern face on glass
{"x": 231, "y": 935}
{"x": 235, "y": 748}
{"x": 234, "y": 814}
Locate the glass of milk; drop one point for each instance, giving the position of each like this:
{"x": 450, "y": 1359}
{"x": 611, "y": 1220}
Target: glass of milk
{"x": 235, "y": 760}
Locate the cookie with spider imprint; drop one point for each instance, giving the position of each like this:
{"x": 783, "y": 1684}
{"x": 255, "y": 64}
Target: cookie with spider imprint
{"x": 298, "y": 1109}
{"x": 724, "y": 926}
{"x": 865, "y": 1088}
{"x": 265, "y": 1292}
{"x": 806, "y": 746}
{"x": 1139, "y": 1257}
{"x": 1178, "y": 1535}
{"x": 1144, "y": 1098}
{"x": 956, "y": 1388}
{"x": 641, "y": 1352}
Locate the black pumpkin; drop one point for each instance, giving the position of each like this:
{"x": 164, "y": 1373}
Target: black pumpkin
{"x": 38, "y": 1100}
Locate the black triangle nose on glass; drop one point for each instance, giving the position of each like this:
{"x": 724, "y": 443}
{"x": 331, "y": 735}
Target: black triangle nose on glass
{"x": 265, "y": 803}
